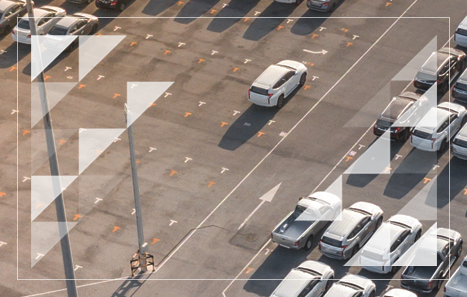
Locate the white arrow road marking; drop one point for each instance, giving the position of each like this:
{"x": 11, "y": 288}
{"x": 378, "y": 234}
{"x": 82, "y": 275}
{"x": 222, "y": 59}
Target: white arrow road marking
{"x": 322, "y": 28}
{"x": 266, "y": 197}
{"x": 323, "y": 52}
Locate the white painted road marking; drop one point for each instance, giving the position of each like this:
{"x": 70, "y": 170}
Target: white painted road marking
{"x": 323, "y": 52}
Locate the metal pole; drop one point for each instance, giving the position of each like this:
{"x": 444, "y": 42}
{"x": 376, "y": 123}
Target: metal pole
{"x": 139, "y": 216}
{"x": 54, "y": 171}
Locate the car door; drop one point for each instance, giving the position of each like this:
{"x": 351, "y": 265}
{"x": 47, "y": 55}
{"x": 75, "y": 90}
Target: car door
{"x": 47, "y": 23}
{"x": 311, "y": 289}
{"x": 41, "y": 25}
{"x": 453, "y": 67}
{"x": 7, "y": 16}
{"x": 288, "y": 82}
{"x": 366, "y": 229}
{"x": 15, "y": 13}
{"x": 81, "y": 27}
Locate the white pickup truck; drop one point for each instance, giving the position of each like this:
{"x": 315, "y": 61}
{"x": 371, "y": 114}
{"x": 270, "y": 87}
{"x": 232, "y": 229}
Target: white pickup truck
{"x": 457, "y": 285}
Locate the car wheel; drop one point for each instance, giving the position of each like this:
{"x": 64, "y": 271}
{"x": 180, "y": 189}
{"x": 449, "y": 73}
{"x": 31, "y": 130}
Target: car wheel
{"x": 298, "y": 2}
{"x": 378, "y": 224}
{"x": 419, "y": 234}
{"x": 354, "y": 251}
{"x": 405, "y": 135}
{"x": 7, "y": 30}
{"x": 280, "y": 101}
{"x": 394, "y": 268}
{"x": 333, "y": 7}
{"x": 329, "y": 283}
{"x": 372, "y": 294}
{"x": 445, "y": 87}
{"x": 88, "y": 1}
{"x": 309, "y": 243}
{"x": 303, "y": 79}
{"x": 122, "y": 6}
{"x": 94, "y": 29}
{"x": 443, "y": 146}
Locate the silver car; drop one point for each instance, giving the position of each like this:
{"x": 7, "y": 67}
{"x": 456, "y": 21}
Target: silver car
{"x": 276, "y": 83}
{"x": 10, "y": 10}
{"x": 310, "y": 279}
{"x": 460, "y": 36}
{"x": 352, "y": 285}
{"x": 459, "y": 144}
{"x": 349, "y": 233}
{"x": 322, "y": 5}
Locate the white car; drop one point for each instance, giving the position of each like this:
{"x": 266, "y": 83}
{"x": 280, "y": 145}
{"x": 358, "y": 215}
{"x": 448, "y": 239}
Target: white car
{"x": 46, "y": 17}
{"x": 389, "y": 243}
{"x": 276, "y": 83}
{"x": 297, "y": 2}
{"x": 352, "y": 285}
{"x": 459, "y": 144}
{"x": 310, "y": 279}
{"x": 393, "y": 292}
{"x": 460, "y": 36}
{"x": 432, "y": 137}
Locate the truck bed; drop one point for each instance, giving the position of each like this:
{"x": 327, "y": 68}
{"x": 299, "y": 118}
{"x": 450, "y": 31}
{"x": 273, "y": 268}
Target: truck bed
{"x": 458, "y": 282}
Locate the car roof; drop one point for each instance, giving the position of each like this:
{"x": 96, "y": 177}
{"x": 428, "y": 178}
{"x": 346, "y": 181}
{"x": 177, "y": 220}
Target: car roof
{"x": 452, "y": 234}
{"x": 358, "y": 280}
{"x": 67, "y": 21}
{"x": 293, "y": 283}
{"x": 5, "y": 4}
{"x": 270, "y": 76}
{"x": 379, "y": 241}
{"x": 434, "y": 62}
{"x": 340, "y": 291}
{"x": 426, "y": 122}
{"x": 343, "y": 227}
{"x": 463, "y": 77}
{"x": 399, "y": 293}
{"x": 396, "y": 107}
{"x": 462, "y": 133}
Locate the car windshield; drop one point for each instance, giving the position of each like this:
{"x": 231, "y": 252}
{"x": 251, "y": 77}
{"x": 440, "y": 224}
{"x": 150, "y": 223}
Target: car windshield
{"x": 1, "y": 15}
{"x": 461, "y": 31}
{"x": 259, "y": 90}
{"x": 464, "y": 264}
{"x": 422, "y": 134}
{"x": 330, "y": 241}
{"x": 24, "y": 24}
{"x": 383, "y": 124}
{"x": 461, "y": 86}
{"x": 460, "y": 142}
{"x": 58, "y": 30}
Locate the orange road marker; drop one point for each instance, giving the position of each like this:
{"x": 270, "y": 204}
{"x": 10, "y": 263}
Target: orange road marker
{"x": 465, "y": 191}
{"x": 201, "y": 61}
{"x": 187, "y": 114}
{"x": 47, "y": 77}
{"x": 213, "y": 11}
{"x": 166, "y": 52}
{"x": 116, "y": 95}
{"x": 12, "y": 68}
{"x": 152, "y": 104}
{"x": 349, "y": 44}
{"x": 138, "y": 161}
{"x": 81, "y": 86}
{"x": 426, "y": 179}
{"x": 348, "y": 158}
{"x": 313, "y": 35}
{"x": 38, "y": 205}
{"x": 280, "y": 27}
{"x": 387, "y": 169}
{"x": 248, "y": 270}
{"x": 235, "y": 69}
{"x": 388, "y": 3}
{"x": 26, "y": 132}
{"x": 61, "y": 142}
{"x": 155, "y": 240}
{"x": 211, "y": 183}
{"x": 173, "y": 173}
{"x": 345, "y": 30}
{"x": 98, "y": 152}
{"x": 306, "y": 87}
{"x": 2, "y": 194}
{"x": 179, "y": 3}
{"x": 260, "y": 133}
{"x": 76, "y": 217}
{"x": 223, "y": 124}
{"x": 115, "y": 229}
{"x": 245, "y": 19}
{"x": 133, "y": 43}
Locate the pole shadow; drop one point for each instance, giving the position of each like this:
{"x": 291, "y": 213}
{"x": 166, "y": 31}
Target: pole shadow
{"x": 194, "y": 9}
{"x": 231, "y": 14}
{"x": 156, "y": 7}
{"x": 268, "y": 20}
{"x": 451, "y": 181}
{"x": 8, "y": 58}
{"x": 309, "y": 22}
{"x": 131, "y": 285}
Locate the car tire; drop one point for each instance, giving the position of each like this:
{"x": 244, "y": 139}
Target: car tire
{"x": 298, "y": 2}
{"x": 354, "y": 251}
{"x": 328, "y": 284}
{"x": 280, "y": 101}
{"x": 309, "y": 243}
{"x": 88, "y": 1}
{"x": 379, "y": 223}
{"x": 122, "y": 6}
{"x": 394, "y": 268}
{"x": 372, "y": 294}
{"x": 6, "y": 30}
{"x": 443, "y": 146}
{"x": 405, "y": 135}
{"x": 445, "y": 87}
{"x": 419, "y": 234}
{"x": 303, "y": 79}
{"x": 94, "y": 29}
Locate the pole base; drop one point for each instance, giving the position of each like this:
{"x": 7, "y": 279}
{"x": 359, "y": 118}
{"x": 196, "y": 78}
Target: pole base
{"x": 141, "y": 263}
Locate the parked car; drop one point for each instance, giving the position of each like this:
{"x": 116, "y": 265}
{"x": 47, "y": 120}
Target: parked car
{"x": 460, "y": 36}
{"x": 322, "y": 5}
{"x": 394, "y": 292}
{"x": 354, "y": 228}
{"x": 442, "y": 68}
{"x": 72, "y": 25}
{"x": 435, "y": 136}
{"x": 389, "y": 243}
{"x": 296, "y": 2}
{"x": 112, "y": 4}
{"x": 10, "y": 11}
{"x": 457, "y": 284}
{"x": 427, "y": 278}
{"x": 80, "y": 1}
{"x": 276, "y": 83}
{"x": 459, "y": 144}
{"x": 459, "y": 90}
{"x": 46, "y": 17}
{"x": 309, "y": 279}
{"x": 404, "y": 112}
{"x": 311, "y": 214}
{"x": 352, "y": 285}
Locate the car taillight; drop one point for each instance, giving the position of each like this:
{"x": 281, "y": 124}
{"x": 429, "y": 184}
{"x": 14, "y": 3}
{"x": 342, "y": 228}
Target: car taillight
{"x": 271, "y": 234}
{"x": 13, "y": 32}
{"x": 249, "y": 93}
{"x": 114, "y": 3}
{"x": 343, "y": 249}
{"x": 319, "y": 245}
{"x": 430, "y": 284}
{"x": 297, "y": 242}
{"x": 437, "y": 81}
{"x": 269, "y": 98}
{"x": 433, "y": 142}
{"x": 29, "y": 36}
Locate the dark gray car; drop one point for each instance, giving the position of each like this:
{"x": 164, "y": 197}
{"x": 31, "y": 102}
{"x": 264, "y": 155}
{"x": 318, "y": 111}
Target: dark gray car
{"x": 76, "y": 24}
{"x": 10, "y": 10}
{"x": 79, "y": 1}
{"x": 459, "y": 90}
{"x": 322, "y": 5}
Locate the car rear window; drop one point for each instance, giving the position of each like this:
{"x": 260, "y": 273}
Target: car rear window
{"x": 461, "y": 31}
{"x": 461, "y": 86}
{"x": 422, "y": 134}
{"x": 259, "y": 90}
{"x": 1, "y": 15}
{"x": 57, "y": 30}
{"x": 24, "y": 24}
{"x": 426, "y": 77}
{"x": 460, "y": 142}
{"x": 383, "y": 124}
{"x": 372, "y": 255}
{"x": 464, "y": 263}
{"x": 331, "y": 241}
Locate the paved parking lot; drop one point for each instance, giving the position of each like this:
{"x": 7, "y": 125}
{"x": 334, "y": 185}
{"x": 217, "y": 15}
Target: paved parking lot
{"x": 205, "y": 154}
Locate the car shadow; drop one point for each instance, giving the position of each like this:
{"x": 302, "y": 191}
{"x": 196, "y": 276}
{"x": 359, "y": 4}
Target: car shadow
{"x": 362, "y": 180}
{"x": 448, "y": 188}
{"x": 194, "y": 9}
{"x": 249, "y": 124}
{"x": 156, "y": 7}
{"x": 9, "y": 57}
{"x": 277, "y": 265}
{"x": 309, "y": 22}
{"x": 72, "y": 8}
{"x": 268, "y": 20}
{"x": 412, "y": 170}
{"x": 231, "y": 14}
